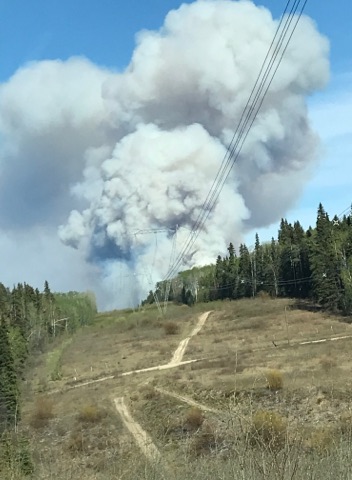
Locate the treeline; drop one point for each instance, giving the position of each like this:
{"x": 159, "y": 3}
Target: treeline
{"x": 315, "y": 264}
{"x": 29, "y": 319}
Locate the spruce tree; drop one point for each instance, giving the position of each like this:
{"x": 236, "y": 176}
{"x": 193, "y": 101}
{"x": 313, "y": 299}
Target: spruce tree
{"x": 326, "y": 266}
{"x": 244, "y": 273}
{"x": 232, "y": 272}
{"x": 9, "y": 393}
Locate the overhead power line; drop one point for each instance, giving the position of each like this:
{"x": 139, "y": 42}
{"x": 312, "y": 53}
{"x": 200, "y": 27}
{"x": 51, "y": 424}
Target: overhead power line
{"x": 283, "y": 35}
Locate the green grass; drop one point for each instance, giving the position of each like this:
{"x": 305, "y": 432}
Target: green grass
{"x": 53, "y": 361}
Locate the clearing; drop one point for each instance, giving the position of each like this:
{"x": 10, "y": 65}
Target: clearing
{"x": 132, "y": 401}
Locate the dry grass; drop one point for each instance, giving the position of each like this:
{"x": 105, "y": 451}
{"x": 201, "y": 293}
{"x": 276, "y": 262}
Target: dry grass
{"x": 205, "y": 441}
{"x": 194, "y": 418}
{"x": 171, "y": 328}
{"x": 327, "y": 363}
{"x": 321, "y": 439}
{"x": 91, "y": 414}
{"x": 76, "y": 441}
{"x": 237, "y": 344}
{"x": 148, "y": 392}
{"x": 275, "y": 380}
{"x": 269, "y": 429}
{"x": 43, "y": 412}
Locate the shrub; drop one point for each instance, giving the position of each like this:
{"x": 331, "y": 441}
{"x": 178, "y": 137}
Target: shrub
{"x": 205, "y": 440}
{"x": 327, "y": 363}
{"x": 194, "y": 418}
{"x": 43, "y": 412}
{"x": 171, "y": 328}
{"x": 274, "y": 380}
{"x": 91, "y": 414}
{"x": 76, "y": 441}
{"x": 149, "y": 392}
{"x": 268, "y": 428}
{"x": 263, "y": 295}
{"x": 346, "y": 423}
{"x": 15, "y": 455}
{"x": 321, "y": 439}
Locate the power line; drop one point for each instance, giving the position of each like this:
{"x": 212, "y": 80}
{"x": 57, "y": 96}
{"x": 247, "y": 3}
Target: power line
{"x": 279, "y": 282}
{"x": 244, "y": 126}
{"x": 155, "y": 231}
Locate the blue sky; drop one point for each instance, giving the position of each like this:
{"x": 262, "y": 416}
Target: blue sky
{"x": 104, "y": 32}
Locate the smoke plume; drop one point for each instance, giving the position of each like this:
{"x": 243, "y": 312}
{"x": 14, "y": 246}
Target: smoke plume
{"x": 113, "y": 157}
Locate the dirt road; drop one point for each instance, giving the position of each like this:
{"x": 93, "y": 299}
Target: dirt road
{"x": 187, "y": 400}
{"x": 142, "y": 439}
{"x": 180, "y": 351}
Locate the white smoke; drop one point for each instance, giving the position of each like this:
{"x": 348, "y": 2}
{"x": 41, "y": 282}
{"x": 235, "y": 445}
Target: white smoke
{"x": 132, "y": 152}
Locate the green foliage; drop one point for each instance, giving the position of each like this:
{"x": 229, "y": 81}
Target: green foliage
{"x": 9, "y": 393}
{"x": 74, "y": 310}
{"x": 316, "y": 265}
{"x": 268, "y": 429}
{"x": 15, "y": 455}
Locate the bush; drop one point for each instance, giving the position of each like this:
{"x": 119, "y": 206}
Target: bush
{"x": 327, "y": 363}
{"x": 76, "y": 441}
{"x": 346, "y": 423}
{"x": 91, "y": 414}
{"x": 43, "y": 412}
{"x": 205, "y": 441}
{"x": 149, "y": 392}
{"x": 194, "y": 418}
{"x": 15, "y": 456}
{"x": 274, "y": 380}
{"x": 171, "y": 328}
{"x": 269, "y": 429}
{"x": 263, "y": 295}
{"x": 321, "y": 439}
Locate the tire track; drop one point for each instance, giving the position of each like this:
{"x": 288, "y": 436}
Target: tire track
{"x": 181, "y": 349}
{"x": 187, "y": 400}
{"x": 141, "y": 437}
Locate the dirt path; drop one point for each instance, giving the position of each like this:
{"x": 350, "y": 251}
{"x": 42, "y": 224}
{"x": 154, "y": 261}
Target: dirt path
{"x": 322, "y": 340}
{"x": 142, "y": 439}
{"x": 187, "y": 400}
{"x": 166, "y": 366}
{"x": 180, "y": 351}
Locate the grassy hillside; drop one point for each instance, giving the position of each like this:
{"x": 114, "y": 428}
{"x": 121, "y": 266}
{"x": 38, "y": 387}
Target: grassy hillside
{"x": 262, "y": 391}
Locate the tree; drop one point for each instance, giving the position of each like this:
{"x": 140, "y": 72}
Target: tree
{"x": 9, "y": 393}
{"x": 326, "y": 266}
{"x": 244, "y": 273}
{"x": 232, "y": 272}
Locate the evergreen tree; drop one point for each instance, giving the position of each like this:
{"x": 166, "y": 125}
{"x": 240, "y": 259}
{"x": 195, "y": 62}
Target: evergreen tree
{"x": 258, "y": 268}
{"x": 244, "y": 272}
{"x": 232, "y": 272}
{"x": 220, "y": 277}
{"x": 325, "y": 263}
{"x": 271, "y": 269}
{"x": 9, "y": 393}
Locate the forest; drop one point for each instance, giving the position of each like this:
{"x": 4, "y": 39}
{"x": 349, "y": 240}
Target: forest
{"x": 315, "y": 265}
{"x": 30, "y": 321}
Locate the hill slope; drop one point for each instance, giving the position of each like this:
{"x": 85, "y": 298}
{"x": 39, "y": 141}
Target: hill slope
{"x": 259, "y": 389}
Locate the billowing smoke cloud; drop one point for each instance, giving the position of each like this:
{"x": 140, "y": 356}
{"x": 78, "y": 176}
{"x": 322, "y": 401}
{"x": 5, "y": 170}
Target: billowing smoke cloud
{"x": 127, "y": 153}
